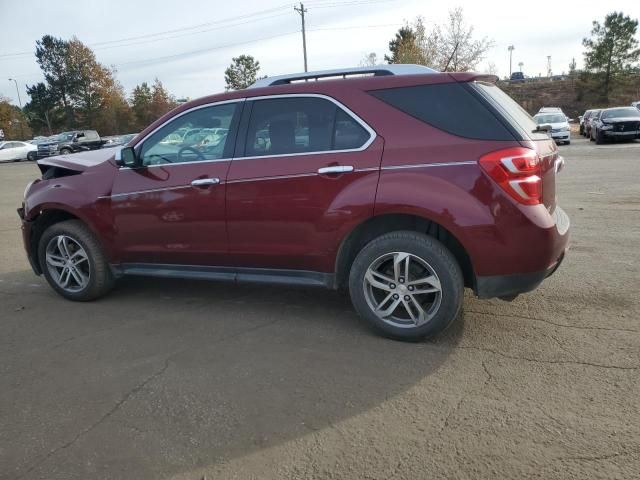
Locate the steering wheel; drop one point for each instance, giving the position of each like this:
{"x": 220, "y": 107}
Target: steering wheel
{"x": 189, "y": 149}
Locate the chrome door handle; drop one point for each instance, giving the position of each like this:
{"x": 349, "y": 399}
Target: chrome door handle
{"x": 336, "y": 169}
{"x": 199, "y": 182}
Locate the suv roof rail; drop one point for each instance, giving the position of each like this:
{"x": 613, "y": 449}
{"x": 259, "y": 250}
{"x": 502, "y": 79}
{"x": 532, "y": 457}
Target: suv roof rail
{"x": 375, "y": 71}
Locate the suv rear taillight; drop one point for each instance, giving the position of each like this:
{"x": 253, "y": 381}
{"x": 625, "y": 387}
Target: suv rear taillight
{"x": 517, "y": 171}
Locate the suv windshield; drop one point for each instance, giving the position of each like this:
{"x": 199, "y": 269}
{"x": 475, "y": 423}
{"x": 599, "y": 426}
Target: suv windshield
{"x": 552, "y": 118}
{"x": 620, "y": 112}
{"x": 510, "y": 108}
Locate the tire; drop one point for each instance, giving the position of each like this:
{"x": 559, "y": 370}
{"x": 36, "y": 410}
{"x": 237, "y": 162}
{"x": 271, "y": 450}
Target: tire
{"x": 78, "y": 243}
{"x": 31, "y": 156}
{"x": 65, "y": 151}
{"x": 568, "y": 142}
{"x": 591, "y": 139}
{"x": 599, "y": 138}
{"x": 427, "y": 258}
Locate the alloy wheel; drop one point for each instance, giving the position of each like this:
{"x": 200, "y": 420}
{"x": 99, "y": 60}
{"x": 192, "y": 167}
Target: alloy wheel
{"x": 402, "y": 289}
{"x": 68, "y": 263}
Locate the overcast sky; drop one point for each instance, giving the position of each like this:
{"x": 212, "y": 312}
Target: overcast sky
{"x": 188, "y": 44}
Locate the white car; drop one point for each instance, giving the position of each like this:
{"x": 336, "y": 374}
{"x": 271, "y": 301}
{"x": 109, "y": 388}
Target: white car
{"x": 559, "y": 128}
{"x": 16, "y": 151}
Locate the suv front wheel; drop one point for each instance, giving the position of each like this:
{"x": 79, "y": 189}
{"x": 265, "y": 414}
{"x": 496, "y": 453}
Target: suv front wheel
{"x": 73, "y": 262}
{"x": 406, "y": 285}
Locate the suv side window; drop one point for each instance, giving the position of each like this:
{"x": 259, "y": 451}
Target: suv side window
{"x": 284, "y": 126}
{"x": 449, "y": 107}
{"x": 199, "y": 135}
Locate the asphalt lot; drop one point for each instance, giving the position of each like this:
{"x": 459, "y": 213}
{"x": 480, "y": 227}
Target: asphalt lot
{"x": 178, "y": 380}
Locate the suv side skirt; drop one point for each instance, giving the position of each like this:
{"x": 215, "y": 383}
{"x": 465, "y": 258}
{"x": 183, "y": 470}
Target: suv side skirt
{"x": 249, "y": 275}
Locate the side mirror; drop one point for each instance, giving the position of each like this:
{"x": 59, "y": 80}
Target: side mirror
{"x": 126, "y": 157}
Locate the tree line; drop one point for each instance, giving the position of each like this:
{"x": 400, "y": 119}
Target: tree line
{"x": 80, "y": 92}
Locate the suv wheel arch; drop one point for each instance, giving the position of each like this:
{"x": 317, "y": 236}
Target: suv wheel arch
{"x": 376, "y": 226}
{"x": 46, "y": 218}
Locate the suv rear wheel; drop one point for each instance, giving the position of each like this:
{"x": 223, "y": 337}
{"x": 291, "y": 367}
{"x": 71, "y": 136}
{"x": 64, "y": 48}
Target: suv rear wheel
{"x": 73, "y": 262}
{"x": 406, "y": 285}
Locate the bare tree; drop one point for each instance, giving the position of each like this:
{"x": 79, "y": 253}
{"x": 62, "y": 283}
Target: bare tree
{"x": 491, "y": 68}
{"x": 458, "y": 50}
{"x": 450, "y": 47}
{"x": 369, "y": 60}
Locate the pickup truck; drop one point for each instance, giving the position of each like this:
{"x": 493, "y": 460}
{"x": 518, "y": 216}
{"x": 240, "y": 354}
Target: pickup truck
{"x": 70, "y": 142}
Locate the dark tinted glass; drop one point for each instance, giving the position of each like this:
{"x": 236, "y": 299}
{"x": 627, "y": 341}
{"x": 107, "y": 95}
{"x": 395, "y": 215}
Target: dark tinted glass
{"x": 282, "y": 126}
{"x": 449, "y": 107}
{"x": 349, "y": 134}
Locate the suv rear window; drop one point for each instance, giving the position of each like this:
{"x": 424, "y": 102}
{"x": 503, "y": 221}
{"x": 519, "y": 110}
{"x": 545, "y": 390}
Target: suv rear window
{"x": 510, "y": 110}
{"x": 449, "y": 107}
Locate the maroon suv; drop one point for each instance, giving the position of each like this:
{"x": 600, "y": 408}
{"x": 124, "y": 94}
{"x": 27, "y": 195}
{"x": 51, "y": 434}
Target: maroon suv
{"x": 403, "y": 184}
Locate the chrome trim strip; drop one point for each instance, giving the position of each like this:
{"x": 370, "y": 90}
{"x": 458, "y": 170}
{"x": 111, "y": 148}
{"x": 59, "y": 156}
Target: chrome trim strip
{"x": 152, "y": 190}
{"x": 275, "y": 177}
{"x": 180, "y": 163}
{"x": 426, "y": 165}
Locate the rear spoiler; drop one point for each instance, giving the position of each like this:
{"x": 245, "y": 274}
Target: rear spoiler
{"x": 473, "y": 77}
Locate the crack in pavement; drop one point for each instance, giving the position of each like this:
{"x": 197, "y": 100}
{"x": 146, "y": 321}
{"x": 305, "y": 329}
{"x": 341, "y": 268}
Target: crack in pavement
{"x": 131, "y": 393}
{"x": 104, "y": 417}
{"x": 557, "y": 362}
{"x": 536, "y": 319}
{"x": 459, "y": 403}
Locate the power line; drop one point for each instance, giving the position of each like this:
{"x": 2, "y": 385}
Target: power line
{"x": 177, "y": 30}
{"x": 217, "y": 24}
{"x": 230, "y": 45}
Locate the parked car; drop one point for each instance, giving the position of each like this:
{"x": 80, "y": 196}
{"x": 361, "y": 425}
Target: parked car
{"x": 636, "y": 104}
{"x": 621, "y": 123}
{"x": 70, "y": 142}
{"x": 371, "y": 183}
{"x": 588, "y": 117}
{"x": 558, "y": 124}
{"x": 517, "y": 77}
{"x": 582, "y": 119}
{"x": 16, "y": 151}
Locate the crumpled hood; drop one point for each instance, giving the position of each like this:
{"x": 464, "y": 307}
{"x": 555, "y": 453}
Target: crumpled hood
{"x": 79, "y": 162}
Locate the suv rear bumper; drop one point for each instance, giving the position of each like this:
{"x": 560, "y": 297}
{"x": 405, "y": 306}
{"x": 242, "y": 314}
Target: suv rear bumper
{"x": 508, "y": 285}
{"x": 515, "y": 284}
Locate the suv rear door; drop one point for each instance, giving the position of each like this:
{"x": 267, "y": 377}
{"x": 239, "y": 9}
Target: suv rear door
{"x": 306, "y": 170}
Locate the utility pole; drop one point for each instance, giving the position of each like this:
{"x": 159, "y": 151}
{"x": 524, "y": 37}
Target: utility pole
{"x": 301, "y": 10}
{"x": 511, "y": 48}
{"x": 549, "y": 66}
{"x": 20, "y": 103}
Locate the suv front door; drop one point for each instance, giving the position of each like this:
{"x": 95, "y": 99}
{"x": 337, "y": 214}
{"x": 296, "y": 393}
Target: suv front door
{"x": 305, "y": 172}
{"x": 172, "y": 209}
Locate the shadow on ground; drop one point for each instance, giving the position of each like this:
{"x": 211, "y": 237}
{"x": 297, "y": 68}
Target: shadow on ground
{"x": 164, "y": 376}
